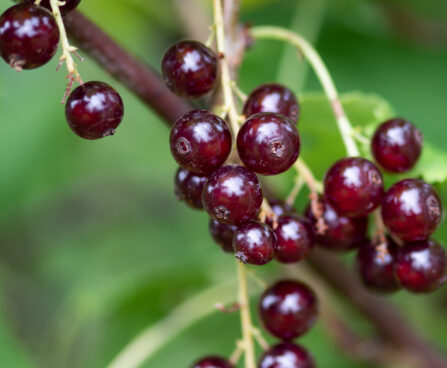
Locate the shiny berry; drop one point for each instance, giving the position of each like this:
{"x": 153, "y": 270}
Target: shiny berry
{"x": 268, "y": 143}
{"x": 189, "y": 69}
{"x": 397, "y": 145}
{"x": 341, "y": 233}
{"x": 222, "y": 234}
{"x": 353, "y": 186}
{"x": 421, "y": 267}
{"x": 411, "y": 210}
{"x": 232, "y": 195}
{"x": 295, "y": 238}
{"x": 272, "y": 98}
{"x": 66, "y": 8}
{"x": 212, "y": 362}
{"x": 375, "y": 264}
{"x": 28, "y": 36}
{"x": 254, "y": 243}
{"x": 94, "y": 110}
{"x": 189, "y": 187}
{"x": 286, "y": 355}
{"x": 279, "y": 207}
{"x": 288, "y": 309}
{"x": 200, "y": 142}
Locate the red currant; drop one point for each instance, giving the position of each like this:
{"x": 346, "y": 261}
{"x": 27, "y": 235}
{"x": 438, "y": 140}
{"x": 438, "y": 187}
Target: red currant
{"x": 212, "y": 362}
{"x": 286, "y": 355}
{"x": 189, "y": 187}
{"x": 223, "y": 234}
{"x": 66, "y": 8}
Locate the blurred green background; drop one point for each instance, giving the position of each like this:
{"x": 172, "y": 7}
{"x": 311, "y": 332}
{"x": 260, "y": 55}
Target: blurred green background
{"x": 94, "y": 246}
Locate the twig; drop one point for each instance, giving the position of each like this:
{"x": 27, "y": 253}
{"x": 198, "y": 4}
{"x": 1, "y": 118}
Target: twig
{"x": 297, "y": 186}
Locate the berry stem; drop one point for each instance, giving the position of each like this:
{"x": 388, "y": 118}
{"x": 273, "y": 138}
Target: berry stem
{"x": 299, "y": 183}
{"x": 322, "y": 73}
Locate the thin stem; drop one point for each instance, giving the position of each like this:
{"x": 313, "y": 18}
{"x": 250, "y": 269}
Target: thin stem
{"x": 260, "y": 338}
{"x": 322, "y": 73}
{"x": 299, "y": 183}
{"x": 237, "y": 353}
{"x": 313, "y": 184}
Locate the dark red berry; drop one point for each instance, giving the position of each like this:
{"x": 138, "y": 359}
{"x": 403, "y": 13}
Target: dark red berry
{"x": 375, "y": 264}
{"x": 254, "y": 243}
{"x": 222, "y": 234}
{"x": 28, "y": 36}
{"x": 295, "y": 238}
{"x": 212, "y": 362}
{"x": 200, "y": 142}
{"x": 411, "y": 210}
{"x": 286, "y": 355}
{"x": 272, "y": 98}
{"x": 189, "y": 69}
{"x": 268, "y": 143}
{"x": 66, "y": 8}
{"x": 279, "y": 208}
{"x": 288, "y": 309}
{"x": 94, "y": 110}
{"x": 397, "y": 145}
{"x": 353, "y": 186}
{"x": 189, "y": 187}
{"x": 232, "y": 195}
{"x": 421, "y": 267}
{"x": 341, "y": 233}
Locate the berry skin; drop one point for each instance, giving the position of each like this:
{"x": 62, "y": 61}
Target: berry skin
{"x": 268, "y": 143}
{"x": 222, "y": 234}
{"x": 200, "y": 142}
{"x": 189, "y": 187}
{"x": 28, "y": 36}
{"x": 232, "y": 195}
{"x": 376, "y": 266}
{"x": 286, "y": 355}
{"x": 342, "y": 233}
{"x": 279, "y": 208}
{"x": 94, "y": 110}
{"x": 272, "y": 98}
{"x": 66, "y": 8}
{"x": 212, "y": 362}
{"x": 288, "y": 309}
{"x": 189, "y": 69}
{"x": 421, "y": 267}
{"x": 411, "y": 210}
{"x": 254, "y": 243}
{"x": 397, "y": 145}
{"x": 353, "y": 186}
{"x": 295, "y": 238}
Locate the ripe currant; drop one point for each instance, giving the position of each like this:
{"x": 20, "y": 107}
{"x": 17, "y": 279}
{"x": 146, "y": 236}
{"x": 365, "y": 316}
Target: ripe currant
{"x": 222, "y": 234}
{"x": 286, "y": 355}
{"x": 212, "y": 362}
{"x": 189, "y": 187}
{"x": 66, "y": 8}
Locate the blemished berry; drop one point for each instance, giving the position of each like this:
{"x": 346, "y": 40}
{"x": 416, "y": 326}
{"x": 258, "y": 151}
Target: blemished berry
{"x": 421, "y": 267}
{"x": 288, "y": 309}
{"x": 254, "y": 243}
{"x": 353, "y": 186}
{"x": 411, "y": 210}
{"x": 275, "y": 98}
{"x": 28, "y": 36}
{"x": 200, "y": 142}
{"x": 295, "y": 238}
{"x": 341, "y": 233}
{"x": 94, "y": 110}
{"x": 189, "y": 187}
{"x": 375, "y": 265}
{"x": 212, "y": 362}
{"x": 232, "y": 195}
{"x": 222, "y": 234}
{"x": 66, "y": 8}
{"x": 268, "y": 143}
{"x": 286, "y": 355}
{"x": 397, "y": 145}
{"x": 190, "y": 69}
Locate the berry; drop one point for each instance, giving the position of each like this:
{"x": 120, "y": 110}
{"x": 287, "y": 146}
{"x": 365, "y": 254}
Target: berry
{"x": 411, "y": 210}
{"x": 295, "y": 238}
{"x": 189, "y": 69}
{"x": 222, "y": 234}
{"x": 200, "y": 142}
{"x": 286, "y": 355}
{"x": 272, "y": 98}
{"x": 353, "y": 186}
{"x": 189, "y": 187}
{"x": 232, "y": 195}
{"x": 28, "y": 36}
{"x": 279, "y": 208}
{"x": 268, "y": 143}
{"x": 254, "y": 243}
{"x": 397, "y": 145}
{"x": 420, "y": 267}
{"x": 288, "y": 309}
{"x": 212, "y": 362}
{"x": 341, "y": 233}
{"x": 94, "y": 110}
{"x": 66, "y": 8}
{"x": 375, "y": 265}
